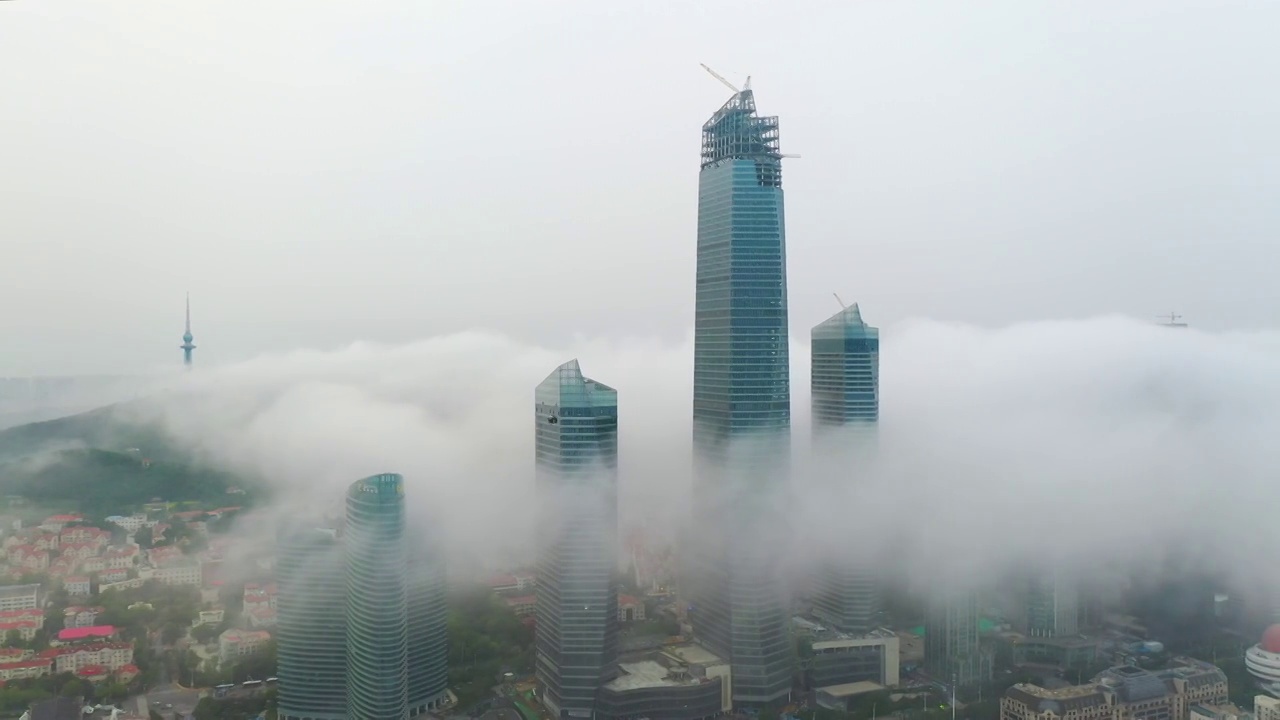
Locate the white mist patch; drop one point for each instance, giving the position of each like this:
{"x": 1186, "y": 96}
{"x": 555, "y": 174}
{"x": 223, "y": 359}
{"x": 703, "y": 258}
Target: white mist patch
{"x": 1101, "y": 439}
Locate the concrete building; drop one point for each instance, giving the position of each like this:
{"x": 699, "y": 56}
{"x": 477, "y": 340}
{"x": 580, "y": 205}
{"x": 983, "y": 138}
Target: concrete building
{"x": 19, "y": 597}
{"x": 1263, "y": 661}
{"x": 1266, "y": 707}
{"x": 576, "y": 456}
{"x": 1126, "y": 692}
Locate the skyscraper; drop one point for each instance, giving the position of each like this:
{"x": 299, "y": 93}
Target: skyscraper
{"x": 312, "y": 665}
{"x": 428, "y": 622}
{"x": 741, "y": 403}
{"x": 845, "y": 391}
{"x": 377, "y": 606}
{"x": 187, "y": 346}
{"x": 952, "y": 652}
{"x": 576, "y": 453}
{"x": 1053, "y": 605}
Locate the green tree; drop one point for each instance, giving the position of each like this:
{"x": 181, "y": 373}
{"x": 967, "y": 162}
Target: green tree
{"x": 144, "y": 537}
{"x": 204, "y": 633}
{"x": 13, "y": 638}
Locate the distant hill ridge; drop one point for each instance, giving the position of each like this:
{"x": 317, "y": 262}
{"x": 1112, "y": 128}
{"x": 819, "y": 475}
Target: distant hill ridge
{"x": 104, "y": 461}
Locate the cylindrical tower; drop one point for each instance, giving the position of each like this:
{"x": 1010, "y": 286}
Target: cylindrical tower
{"x": 377, "y": 606}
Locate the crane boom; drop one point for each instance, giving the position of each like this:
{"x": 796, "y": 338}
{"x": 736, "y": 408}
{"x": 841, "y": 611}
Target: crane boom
{"x": 720, "y": 77}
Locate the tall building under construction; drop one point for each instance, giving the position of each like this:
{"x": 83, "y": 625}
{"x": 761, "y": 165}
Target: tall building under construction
{"x": 741, "y": 404}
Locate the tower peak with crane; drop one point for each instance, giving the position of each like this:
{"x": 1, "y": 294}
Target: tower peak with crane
{"x": 1172, "y": 320}
{"x": 737, "y": 91}
{"x": 187, "y": 345}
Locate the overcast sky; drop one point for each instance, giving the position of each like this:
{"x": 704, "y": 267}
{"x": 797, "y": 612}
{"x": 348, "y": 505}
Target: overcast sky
{"x": 317, "y": 172}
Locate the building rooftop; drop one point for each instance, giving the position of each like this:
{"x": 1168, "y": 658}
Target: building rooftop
{"x": 845, "y": 690}
{"x": 648, "y": 674}
{"x": 82, "y": 633}
{"x": 666, "y": 667}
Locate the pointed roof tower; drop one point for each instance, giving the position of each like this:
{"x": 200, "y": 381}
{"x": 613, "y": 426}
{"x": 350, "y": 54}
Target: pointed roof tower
{"x": 187, "y": 346}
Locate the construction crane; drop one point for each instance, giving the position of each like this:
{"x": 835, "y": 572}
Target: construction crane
{"x": 1171, "y": 320}
{"x": 837, "y": 297}
{"x": 724, "y": 82}
{"x": 745, "y": 86}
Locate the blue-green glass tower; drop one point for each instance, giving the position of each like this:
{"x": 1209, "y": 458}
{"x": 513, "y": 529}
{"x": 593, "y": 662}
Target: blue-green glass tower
{"x": 428, "y": 623}
{"x": 845, "y": 395}
{"x": 576, "y": 455}
{"x": 377, "y": 603}
{"x": 741, "y": 403}
{"x": 312, "y": 664}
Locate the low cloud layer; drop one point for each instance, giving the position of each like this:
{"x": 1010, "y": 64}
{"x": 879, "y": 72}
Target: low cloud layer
{"x": 1084, "y": 441}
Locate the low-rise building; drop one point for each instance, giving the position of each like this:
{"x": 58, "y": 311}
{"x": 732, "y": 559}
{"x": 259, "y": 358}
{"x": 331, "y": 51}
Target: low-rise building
{"x": 234, "y": 643}
{"x": 630, "y": 609}
{"x": 22, "y": 669}
{"x": 77, "y": 585}
{"x": 1126, "y": 692}
{"x": 77, "y": 616}
{"x": 71, "y": 658}
{"x": 522, "y": 605}
{"x": 208, "y": 617}
{"x": 1266, "y": 707}
{"x": 184, "y": 574}
{"x": 24, "y": 622}
{"x": 131, "y": 523}
{"x": 19, "y": 597}
{"x": 113, "y": 576}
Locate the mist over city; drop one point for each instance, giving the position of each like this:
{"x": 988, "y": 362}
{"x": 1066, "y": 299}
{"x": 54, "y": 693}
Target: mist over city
{"x": 593, "y": 361}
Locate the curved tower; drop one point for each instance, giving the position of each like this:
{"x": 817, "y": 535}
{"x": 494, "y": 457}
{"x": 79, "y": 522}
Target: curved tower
{"x": 576, "y": 451}
{"x": 377, "y": 605}
{"x": 312, "y": 665}
{"x": 187, "y": 337}
{"x": 741, "y": 404}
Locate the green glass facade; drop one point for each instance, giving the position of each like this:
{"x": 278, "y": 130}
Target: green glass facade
{"x": 741, "y": 403}
{"x": 845, "y": 395}
{"x": 311, "y": 635}
{"x": 576, "y": 455}
{"x": 377, "y": 604}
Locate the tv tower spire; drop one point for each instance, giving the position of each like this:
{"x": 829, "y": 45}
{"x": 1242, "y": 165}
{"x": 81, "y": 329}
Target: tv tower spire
{"x": 187, "y": 337}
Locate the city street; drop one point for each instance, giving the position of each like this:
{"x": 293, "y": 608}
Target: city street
{"x": 169, "y": 699}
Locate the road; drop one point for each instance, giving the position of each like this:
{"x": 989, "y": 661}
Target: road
{"x": 168, "y": 699}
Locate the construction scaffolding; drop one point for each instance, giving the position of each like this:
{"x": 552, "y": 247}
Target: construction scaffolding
{"x": 735, "y": 132}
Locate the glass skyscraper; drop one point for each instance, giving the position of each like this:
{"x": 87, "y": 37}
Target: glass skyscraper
{"x": 741, "y": 404}
{"x": 1053, "y": 604}
{"x": 576, "y": 453}
{"x": 377, "y": 603}
{"x": 312, "y": 663}
{"x": 428, "y": 622}
{"x": 952, "y": 653}
{"x": 845, "y": 395}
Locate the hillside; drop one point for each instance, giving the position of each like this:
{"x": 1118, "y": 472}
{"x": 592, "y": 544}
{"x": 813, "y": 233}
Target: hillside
{"x": 100, "y": 462}
{"x": 105, "y": 428}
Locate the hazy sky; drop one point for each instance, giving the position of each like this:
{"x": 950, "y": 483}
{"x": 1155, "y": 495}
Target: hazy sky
{"x": 316, "y": 172}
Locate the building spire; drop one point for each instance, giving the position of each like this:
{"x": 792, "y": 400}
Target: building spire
{"x": 187, "y": 337}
